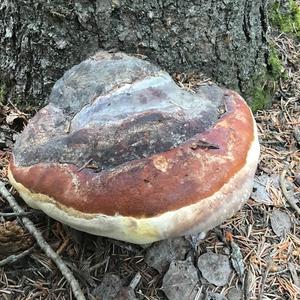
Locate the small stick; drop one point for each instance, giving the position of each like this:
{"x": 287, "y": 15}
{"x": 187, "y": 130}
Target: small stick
{"x": 99, "y": 264}
{"x": 78, "y": 294}
{"x": 63, "y": 246}
{"x": 135, "y": 280}
{"x": 67, "y": 130}
{"x": 15, "y": 257}
{"x": 176, "y": 104}
{"x": 289, "y": 199}
{"x": 16, "y": 214}
{"x": 264, "y": 278}
{"x": 85, "y": 164}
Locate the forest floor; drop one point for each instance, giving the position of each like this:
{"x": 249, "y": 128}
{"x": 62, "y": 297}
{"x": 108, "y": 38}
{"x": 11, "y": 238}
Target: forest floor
{"x": 253, "y": 255}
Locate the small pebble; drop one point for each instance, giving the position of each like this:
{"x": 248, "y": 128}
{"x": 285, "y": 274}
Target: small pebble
{"x": 109, "y": 288}
{"x": 160, "y": 254}
{"x": 215, "y": 268}
{"x": 215, "y": 296}
{"x": 235, "y": 294}
{"x": 181, "y": 281}
{"x": 280, "y": 223}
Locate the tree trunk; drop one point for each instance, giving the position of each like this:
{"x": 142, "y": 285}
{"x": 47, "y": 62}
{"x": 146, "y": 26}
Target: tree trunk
{"x": 223, "y": 39}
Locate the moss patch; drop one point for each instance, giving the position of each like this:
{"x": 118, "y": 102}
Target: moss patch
{"x": 265, "y": 84}
{"x": 286, "y": 17}
{"x": 261, "y": 94}
{"x": 275, "y": 65}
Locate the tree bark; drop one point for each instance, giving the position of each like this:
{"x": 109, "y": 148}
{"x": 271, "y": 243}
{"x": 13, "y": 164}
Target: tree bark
{"x": 223, "y": 39}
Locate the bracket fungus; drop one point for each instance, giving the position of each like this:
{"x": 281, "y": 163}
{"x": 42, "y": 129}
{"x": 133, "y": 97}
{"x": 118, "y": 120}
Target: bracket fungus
{"x": 121, "y": 151}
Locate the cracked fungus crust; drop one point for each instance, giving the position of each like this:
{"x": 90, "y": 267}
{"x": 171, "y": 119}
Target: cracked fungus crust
{"x": 136, "y": 158}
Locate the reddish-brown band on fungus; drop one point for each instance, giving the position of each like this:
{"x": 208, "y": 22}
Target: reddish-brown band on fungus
{"x": 163, "y": 182}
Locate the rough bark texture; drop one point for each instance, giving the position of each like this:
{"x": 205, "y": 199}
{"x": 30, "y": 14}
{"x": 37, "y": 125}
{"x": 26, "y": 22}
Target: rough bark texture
{"x": 224, "y": 39}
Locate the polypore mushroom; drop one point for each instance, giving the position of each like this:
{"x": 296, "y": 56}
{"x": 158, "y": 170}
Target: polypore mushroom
{"x": 121, "y": 151}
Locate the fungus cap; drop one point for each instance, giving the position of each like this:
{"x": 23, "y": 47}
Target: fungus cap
{"x": 121, "y": 151}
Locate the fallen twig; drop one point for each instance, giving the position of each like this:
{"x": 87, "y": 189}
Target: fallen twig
{"x": 236, "y": 256}
{"x": 98, "y": 265}
{"x": 289, "y": 199}
{"x": 249, "y": 284}
{"x": 135, "y": 280}
{"x": 85, "y": 165}
{"x": 43, "y": 244}
{"x": 15, "y": 257}
{"x": 264, "y": 278}
{"x": 16, "y": 214}
{"x": 294, "y": 274}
